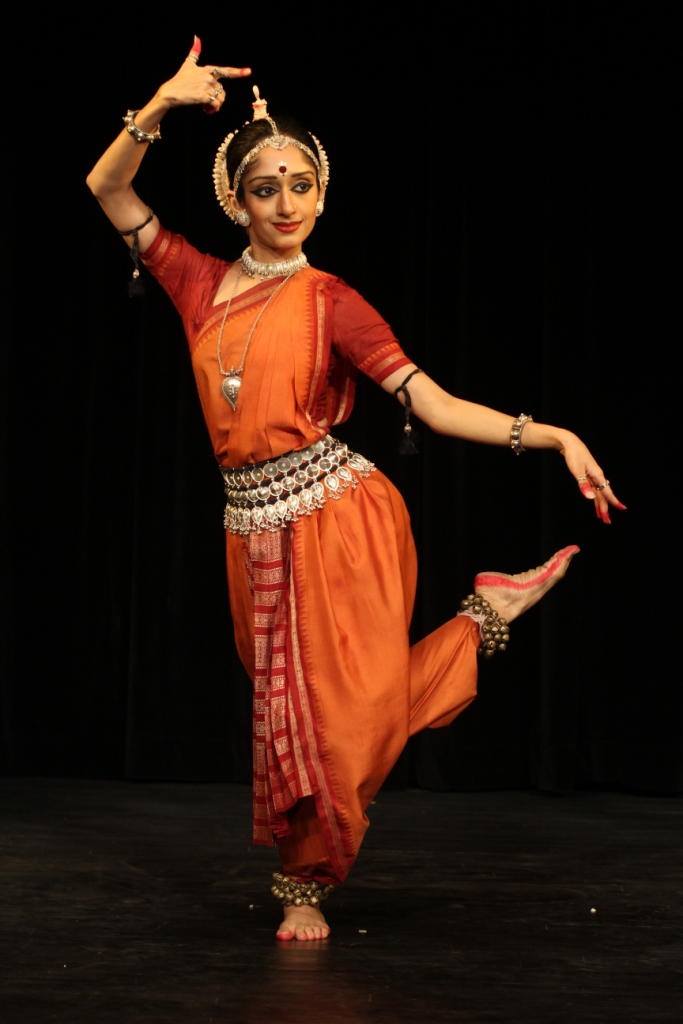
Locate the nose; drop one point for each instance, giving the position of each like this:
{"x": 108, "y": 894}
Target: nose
{"x": 286, "y": 205}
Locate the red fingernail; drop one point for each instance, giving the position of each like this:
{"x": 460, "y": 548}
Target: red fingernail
{"x": 245, "y": 71}
{"x": 196, "y": 46}
{"x": 622, "y": 507}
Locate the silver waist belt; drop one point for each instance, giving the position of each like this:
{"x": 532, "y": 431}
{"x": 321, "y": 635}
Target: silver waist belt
{"x": 269, "y": 495}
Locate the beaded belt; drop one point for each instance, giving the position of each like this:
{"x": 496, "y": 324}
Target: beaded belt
{"x": 268, "y": 495}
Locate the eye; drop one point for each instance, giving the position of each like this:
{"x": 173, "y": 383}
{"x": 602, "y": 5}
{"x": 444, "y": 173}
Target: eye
{"x": 264, "y": 192}
{"x": 302, "y": 187}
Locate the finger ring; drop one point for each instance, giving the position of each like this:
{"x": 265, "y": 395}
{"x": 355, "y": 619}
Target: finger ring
{"x": 601, "y": 487}
{"x": 581, "y": 479}
{"x": 216, "y": 72}
{"x": 192, "y": 57}
{"x": 216, "y": 92}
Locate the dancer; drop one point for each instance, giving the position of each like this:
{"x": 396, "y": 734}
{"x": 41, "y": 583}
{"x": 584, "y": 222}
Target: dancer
{"x": 321, "y": 560}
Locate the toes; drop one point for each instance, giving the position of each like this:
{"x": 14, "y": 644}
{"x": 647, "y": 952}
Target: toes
{"x": 309, "y": 932}
{"x": 567, "y": 554}
{"x": 559, "y": 563}
{"x": 303, "y": 927}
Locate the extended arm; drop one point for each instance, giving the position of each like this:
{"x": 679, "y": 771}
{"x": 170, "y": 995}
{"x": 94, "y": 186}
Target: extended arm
{"x": 455, "y": 417}
{"x": 112, "y": 176}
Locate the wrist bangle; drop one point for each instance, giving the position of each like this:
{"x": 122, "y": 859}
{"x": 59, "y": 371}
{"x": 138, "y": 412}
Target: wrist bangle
{"x": 516, "y": 433}
{"x": 138, "y": 133}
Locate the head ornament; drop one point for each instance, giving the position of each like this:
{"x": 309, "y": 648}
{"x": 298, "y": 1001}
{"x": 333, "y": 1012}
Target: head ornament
{"x": 221, "y": 179}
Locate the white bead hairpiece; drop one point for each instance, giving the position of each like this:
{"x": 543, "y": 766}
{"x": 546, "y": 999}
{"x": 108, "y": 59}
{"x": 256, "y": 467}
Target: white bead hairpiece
{"x": 221, "y": 179}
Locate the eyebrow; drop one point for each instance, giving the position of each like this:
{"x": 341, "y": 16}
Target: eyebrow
{"x": 276, "y": 177}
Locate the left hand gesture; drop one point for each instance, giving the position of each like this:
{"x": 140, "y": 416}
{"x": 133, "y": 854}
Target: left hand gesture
{"x": 591, "y": 480}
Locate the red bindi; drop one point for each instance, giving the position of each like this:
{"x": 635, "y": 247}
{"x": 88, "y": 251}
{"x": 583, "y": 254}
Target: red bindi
{"x": 282, "y": 168}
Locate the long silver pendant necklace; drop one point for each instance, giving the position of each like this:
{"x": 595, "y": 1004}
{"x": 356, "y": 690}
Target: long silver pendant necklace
{"x": 233, "y": 377}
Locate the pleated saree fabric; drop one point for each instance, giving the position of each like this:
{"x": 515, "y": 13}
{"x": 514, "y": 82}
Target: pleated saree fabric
{"x": 321, "y": 609}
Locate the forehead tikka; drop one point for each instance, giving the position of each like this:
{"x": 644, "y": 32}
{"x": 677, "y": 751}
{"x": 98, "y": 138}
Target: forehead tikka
{"x": 276, "y": 141}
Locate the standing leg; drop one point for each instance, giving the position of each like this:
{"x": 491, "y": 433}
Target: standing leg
{"x": 304, "y": 858}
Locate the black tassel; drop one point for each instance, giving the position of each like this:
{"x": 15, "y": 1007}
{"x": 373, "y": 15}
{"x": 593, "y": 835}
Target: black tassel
{"x": 135, "y": 287}
{"x": 408, "y": 445}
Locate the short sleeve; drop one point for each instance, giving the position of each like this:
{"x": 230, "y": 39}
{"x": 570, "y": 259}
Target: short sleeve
{"x": 362, "y": 336}
{"x": 189, "y": 277}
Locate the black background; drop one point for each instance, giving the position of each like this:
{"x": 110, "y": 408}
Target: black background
{"x": 501, "y": 192}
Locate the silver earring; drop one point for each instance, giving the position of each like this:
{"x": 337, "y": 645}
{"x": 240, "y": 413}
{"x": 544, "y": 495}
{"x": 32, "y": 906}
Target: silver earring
{"x": 319, "y": 207}
{"x": 243, "y": 218}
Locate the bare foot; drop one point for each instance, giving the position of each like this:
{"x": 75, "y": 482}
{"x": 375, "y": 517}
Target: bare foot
{"x": 303, "y": 923}
{"x": 511, "y": 596}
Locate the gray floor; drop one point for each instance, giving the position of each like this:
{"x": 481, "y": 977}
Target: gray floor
{"x": 128, "y": 902}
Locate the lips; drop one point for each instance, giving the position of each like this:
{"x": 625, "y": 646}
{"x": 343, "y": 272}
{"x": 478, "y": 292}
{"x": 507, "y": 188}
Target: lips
{"x": 287, "y": 229}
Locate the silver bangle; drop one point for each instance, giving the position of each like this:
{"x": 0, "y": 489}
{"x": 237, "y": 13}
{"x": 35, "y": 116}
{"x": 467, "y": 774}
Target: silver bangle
{"x": 138, "y": 133}
{"x": 516, "y": 433}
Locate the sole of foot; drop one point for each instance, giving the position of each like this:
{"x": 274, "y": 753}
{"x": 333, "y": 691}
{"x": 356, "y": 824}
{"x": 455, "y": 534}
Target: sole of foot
{"x": 511, "y": 596}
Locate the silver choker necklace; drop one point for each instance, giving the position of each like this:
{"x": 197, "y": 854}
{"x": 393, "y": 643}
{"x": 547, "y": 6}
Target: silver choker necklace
{"x": 283, "y": 268}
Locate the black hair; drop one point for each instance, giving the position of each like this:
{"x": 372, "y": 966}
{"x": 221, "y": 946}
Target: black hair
{"x": 249, "y": 136}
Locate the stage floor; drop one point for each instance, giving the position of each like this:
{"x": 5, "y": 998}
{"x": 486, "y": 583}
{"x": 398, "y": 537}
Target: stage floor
{"x": 132, "y": 902}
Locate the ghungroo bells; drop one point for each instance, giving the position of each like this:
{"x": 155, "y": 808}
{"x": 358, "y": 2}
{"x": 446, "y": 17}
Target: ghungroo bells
{"x": 299, "y": 894}
{"x": 494, "y": 630}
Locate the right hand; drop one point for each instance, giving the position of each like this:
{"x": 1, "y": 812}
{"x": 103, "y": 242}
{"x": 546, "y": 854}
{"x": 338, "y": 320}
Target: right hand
{"x": 196, "y": 85}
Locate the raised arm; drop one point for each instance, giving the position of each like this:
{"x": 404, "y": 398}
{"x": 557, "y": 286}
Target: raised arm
{"x": 455, "y": 417}
{"x": 111, "y": 178}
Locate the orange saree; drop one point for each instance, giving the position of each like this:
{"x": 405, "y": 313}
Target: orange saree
{"x": 321, "y": 609}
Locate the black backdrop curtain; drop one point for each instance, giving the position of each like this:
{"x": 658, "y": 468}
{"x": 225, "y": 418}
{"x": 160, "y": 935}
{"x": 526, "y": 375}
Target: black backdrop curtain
{"x": 498, "y": 185}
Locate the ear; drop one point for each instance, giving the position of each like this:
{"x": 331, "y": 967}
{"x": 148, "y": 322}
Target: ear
{"x": 234, "y": 205}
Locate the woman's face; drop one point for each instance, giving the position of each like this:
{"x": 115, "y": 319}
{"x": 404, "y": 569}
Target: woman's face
{"x": 280, "y": 192}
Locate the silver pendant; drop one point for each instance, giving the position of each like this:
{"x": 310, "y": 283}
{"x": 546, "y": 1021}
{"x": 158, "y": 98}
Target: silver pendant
{"x": 230, "y": 387}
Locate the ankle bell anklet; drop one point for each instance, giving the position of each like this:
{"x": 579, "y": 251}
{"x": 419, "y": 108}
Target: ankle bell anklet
{"x": 494, "y": 631}
{"x": 299, "y": 894}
